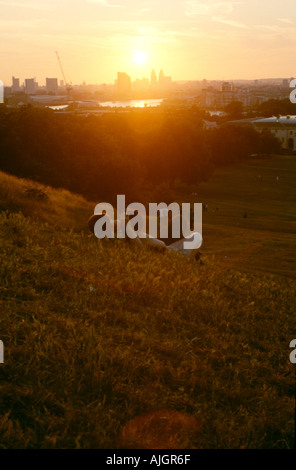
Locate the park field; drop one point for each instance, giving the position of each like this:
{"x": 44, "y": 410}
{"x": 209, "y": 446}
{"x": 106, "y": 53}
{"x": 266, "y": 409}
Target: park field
{"x": 250, "y": 223}
{"x": 112, "y": 346}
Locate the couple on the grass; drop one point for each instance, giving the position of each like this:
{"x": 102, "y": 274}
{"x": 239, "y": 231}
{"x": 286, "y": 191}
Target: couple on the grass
{"x": 121, "y": 227}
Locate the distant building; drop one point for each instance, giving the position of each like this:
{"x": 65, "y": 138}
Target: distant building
{"x": 165, "y": 82}
{"x": 153, "y": 78}
{"x": 211, "y": 98}
{"x": 282, "y": 127}
{"x": 161, "y": 76}
{"x": 30, "y": 86}
{"x": 285, "y": 83}
{"x": 123, "y": 83}
{"x": 52, "y": 86}
{"x": 208, "y": 98}
{"x": 226, "y": 97}
{"x": 227, "y": 86}
{"x": 15, "y": 85}
{"x": 141, "y": 85}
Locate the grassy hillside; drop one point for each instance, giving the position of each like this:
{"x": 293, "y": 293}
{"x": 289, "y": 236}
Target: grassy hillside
{"x": 57, "y": 207}
{"x": 105, "y": 343}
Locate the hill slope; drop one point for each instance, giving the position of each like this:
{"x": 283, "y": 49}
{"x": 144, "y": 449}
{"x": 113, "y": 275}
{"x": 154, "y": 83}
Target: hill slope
{"x": 97, "y": 334}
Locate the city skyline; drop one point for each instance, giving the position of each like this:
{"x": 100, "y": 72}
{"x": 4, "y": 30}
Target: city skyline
{"x": 190, "y": 40}
{"x": 18, "y": 83}
{"x": 21, "y": 81}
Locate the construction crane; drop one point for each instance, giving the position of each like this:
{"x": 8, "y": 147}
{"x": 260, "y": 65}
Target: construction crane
{"x": 69, "y": 87}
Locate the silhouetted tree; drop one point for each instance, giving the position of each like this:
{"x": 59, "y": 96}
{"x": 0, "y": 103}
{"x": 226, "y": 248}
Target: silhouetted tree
{"x": 234, "y": 110}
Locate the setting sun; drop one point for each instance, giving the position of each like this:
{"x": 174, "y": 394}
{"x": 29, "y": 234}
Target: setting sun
{"x": 139, "y": 57}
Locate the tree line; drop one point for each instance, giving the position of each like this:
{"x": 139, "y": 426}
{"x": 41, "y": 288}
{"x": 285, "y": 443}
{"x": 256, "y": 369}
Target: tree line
{"x": 120, "y": 153}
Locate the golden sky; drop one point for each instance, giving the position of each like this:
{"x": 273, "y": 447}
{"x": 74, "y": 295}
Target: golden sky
{"x": 188, "y": 39}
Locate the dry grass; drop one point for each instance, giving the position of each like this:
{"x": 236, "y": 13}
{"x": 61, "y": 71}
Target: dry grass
{"x": 99, "y": 335}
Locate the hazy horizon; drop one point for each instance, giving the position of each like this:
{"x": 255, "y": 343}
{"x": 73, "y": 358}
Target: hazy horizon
{"x": 188, "y": 39}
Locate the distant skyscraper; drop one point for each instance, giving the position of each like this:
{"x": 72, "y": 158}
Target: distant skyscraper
{"x": 52, "y": 85}
{"x": 153, "y": 78}
{"x": 30, "y": 86}
{"x": 164, "y": 82}
{"x": 15, "y": 85}
{"x": 123, "y": 83}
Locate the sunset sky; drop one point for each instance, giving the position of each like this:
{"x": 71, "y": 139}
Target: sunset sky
{"x": 188, "y": 39}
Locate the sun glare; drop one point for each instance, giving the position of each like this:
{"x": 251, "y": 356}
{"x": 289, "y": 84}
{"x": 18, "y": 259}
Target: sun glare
{"x": 139, "y": 57}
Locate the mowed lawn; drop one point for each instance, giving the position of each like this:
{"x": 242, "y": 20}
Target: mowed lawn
{"x": 110, "y": 346}
{"x": 250, "y": 223}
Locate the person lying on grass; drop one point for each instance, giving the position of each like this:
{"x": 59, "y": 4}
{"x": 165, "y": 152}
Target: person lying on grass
{"x": 148, "y": 240}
